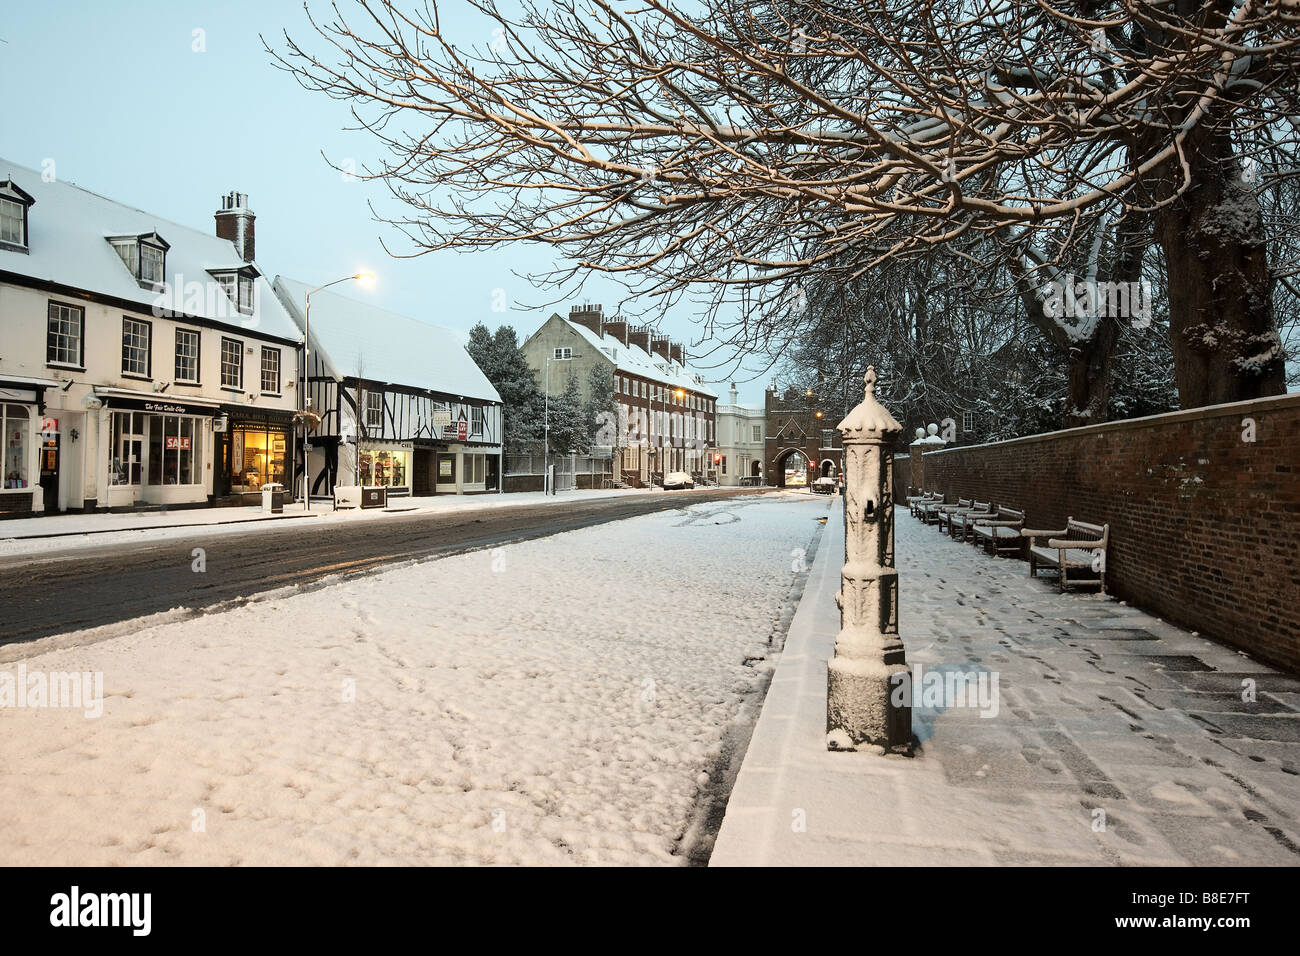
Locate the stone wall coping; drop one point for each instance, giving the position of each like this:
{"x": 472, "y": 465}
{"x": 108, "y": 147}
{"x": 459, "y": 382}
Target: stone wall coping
{"x": 1269, "y": 403}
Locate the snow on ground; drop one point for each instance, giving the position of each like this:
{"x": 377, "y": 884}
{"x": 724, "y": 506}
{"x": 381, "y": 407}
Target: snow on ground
{"x": 1114, "y": 738}
{"x": 554, "y": 701}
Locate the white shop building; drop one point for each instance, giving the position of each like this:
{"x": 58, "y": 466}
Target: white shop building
{"x": 129, "y": 346}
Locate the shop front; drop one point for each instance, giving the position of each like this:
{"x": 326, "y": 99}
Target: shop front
{"x": 17, "y": 415}
{"x": 385, "y": 465}
{"x": 156, "y": 452}
{"x": 256, "y": 448}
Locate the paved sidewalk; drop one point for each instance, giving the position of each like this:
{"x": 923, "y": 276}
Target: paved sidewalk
{"x": 1117, "y": 739}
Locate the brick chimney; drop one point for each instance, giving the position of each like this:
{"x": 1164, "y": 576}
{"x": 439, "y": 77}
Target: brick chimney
{"x": 639, "y": 335}
{"x": 678, "y": 352}
{"x": 587, "y": 315}
{"x": 235, "y": 222}
{"x": 616, "y": 328}
{"x": 659, "y": 345}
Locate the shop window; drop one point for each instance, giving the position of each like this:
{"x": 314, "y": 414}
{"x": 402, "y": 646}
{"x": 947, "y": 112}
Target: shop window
{"x": 257, "y": 456}
{"x": 126, "y": 452}
{"x": 382, "y": 466}
{"x": 474, "y": 469}
{"x": 173, "y": 450}
{"x": 16, "y": 422}
{"x": 64, "y": 335}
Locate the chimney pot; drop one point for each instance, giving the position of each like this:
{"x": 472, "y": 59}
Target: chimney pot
{"x": 235, "y": 221}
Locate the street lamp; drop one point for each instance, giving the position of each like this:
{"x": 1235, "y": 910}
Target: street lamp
{"x": 546, "y": 421}
{"x": 366, "y": 279}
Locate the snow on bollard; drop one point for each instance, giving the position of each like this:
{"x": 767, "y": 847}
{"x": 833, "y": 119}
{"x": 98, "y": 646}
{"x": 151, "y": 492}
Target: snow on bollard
{"x": 869, "y": 663}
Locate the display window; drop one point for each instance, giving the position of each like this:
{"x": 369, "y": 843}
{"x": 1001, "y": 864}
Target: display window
{"x": 383, "y": 467}
{"x": 258, "y": 456}
{"x": 155, "y": 449}
{"x": 16, "y": 427}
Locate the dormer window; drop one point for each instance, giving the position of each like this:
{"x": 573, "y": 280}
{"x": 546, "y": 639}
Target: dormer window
{"x": 145, "y": 256}
{"x": 14, "y": 204}
{"x": 239, "y": 286}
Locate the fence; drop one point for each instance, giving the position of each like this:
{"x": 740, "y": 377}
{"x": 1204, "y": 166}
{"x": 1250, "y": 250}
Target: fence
{"x": 526, "y": 470}
{"x": 1203, "y": 504}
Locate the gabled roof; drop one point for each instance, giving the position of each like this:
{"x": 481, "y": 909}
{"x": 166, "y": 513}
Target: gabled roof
{"x": 359, "y": 340}
{"x": 68, "y": 244}
{"x": 634, "y": 360}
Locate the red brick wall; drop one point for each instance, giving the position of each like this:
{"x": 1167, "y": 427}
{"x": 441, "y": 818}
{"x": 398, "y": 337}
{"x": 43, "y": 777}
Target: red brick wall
{"x": 1205, "y": 526}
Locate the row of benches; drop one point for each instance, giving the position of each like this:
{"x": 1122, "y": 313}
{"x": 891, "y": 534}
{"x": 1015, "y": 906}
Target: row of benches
{"x": 1078, "y": 547}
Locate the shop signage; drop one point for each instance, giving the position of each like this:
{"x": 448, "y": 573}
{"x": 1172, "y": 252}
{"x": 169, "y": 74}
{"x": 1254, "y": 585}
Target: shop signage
{"x": 17, "y": 395}
{"x": 444, "y": 467}
{"x": 49, "y": 427}
{"x": 462, "y": 430}
{"x": 442, "y": 417}
{"x": 178, "y": 443}
{"x": 157, "y": 407}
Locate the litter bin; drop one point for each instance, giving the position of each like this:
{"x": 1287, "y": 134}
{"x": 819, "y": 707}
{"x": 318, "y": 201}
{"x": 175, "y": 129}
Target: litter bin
{"x": 374, "y": 497}
{"x": 273, "y": 498}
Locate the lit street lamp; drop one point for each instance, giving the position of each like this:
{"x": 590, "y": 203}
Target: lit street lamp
{"x": 366, "y": 279}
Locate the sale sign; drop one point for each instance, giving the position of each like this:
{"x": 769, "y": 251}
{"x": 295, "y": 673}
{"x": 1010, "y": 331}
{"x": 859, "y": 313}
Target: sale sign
{"x": 177, "y": 444}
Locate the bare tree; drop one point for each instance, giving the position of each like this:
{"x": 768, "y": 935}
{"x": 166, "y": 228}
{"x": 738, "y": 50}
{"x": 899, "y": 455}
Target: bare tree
{"x": 735, "y": 146}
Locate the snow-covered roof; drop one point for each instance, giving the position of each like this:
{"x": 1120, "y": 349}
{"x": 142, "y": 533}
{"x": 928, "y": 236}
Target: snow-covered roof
{"x": 634, "y": 360}
{"x": 68, "y": 232}
{"x": 360, "y": 340}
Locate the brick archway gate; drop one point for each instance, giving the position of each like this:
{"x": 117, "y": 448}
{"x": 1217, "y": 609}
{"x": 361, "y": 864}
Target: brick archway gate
{"x": 794, "y": 456}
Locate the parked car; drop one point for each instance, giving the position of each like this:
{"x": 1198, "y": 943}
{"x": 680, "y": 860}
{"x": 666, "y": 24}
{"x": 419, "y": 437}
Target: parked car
{"x": 678, "y": 479}
{"x": 824, "y": 486}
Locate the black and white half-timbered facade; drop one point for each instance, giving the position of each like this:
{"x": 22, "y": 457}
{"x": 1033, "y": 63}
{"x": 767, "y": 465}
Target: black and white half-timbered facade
{"x": 402, "y": 405}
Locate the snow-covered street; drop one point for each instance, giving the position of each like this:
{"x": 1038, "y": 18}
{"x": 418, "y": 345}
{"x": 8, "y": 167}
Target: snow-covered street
{"x": 555, "y": 701}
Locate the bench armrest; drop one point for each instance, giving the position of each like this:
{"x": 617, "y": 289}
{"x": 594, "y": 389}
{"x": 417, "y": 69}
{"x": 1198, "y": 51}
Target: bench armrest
{"x": 999, "y": 524}
{"x": 1032, "y": 533}
{"x": 1064, "y": 544}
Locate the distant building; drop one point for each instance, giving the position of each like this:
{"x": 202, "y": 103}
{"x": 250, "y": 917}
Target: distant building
{"x": 801, "y": 443}
{"x": 667, "y": 415}
{"x": 402, "y": 403}
{"x": 741, "y": 433}
{"x": 132, "y": 350}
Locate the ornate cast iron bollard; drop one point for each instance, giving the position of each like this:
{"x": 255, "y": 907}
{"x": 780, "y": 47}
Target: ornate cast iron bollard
{"x": 868, "y": 689}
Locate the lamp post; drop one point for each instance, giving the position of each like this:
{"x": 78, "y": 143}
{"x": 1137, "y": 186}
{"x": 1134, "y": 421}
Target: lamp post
{"x": 366, "y": 279}
{"x": 546, "y": 425}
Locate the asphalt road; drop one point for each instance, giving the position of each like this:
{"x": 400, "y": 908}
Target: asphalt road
{"x": 90, "y": 587}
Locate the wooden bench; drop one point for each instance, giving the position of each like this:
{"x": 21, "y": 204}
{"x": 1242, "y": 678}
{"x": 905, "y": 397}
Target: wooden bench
{"x": 914, "y": 502}
{"x": 1079, "y": 546}
{"x": 947, "y": 511}
{"x": 962, "y": 522}
{"x": 929, "y": 510}
{"x": 1002, "y": 533}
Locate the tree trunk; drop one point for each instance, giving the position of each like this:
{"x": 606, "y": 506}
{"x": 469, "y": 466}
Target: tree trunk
{"x": 1089, "y": 376}
{"x": 1221, "y": 326}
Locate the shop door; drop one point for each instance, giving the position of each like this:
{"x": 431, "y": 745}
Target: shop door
{"x": 423, "y": 468}
{"x": 50, "y": 463}
{"x": 493, "y": 461}
{"x": 130, "y": 457}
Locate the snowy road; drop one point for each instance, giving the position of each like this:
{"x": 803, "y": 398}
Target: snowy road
{"x": 91, "y": 584}
{"x": 559, "y": 700}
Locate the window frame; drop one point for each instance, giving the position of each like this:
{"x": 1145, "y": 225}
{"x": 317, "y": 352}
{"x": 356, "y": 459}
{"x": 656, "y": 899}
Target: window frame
{"x": 80, "y": 364}
{"x": 198, "y": 356}
{"x": 268, "y": 350}
{"x": 148, "y": 348}
{"x": 239, "y": 344}
{"x": 22, "y": 242}
{"x": 378, "y": 410}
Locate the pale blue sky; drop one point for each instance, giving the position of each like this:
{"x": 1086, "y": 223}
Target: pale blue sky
{"x": 118, "y": 98}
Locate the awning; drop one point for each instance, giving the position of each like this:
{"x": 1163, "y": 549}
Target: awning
{"x": 126, "y": 398}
